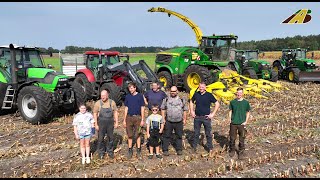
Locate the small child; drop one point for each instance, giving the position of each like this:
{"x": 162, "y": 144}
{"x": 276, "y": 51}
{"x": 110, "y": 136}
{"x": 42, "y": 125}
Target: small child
{"x": 83, "y": 123}
{"x": 155, "y": 127}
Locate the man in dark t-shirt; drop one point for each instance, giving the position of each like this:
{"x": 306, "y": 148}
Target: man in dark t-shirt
{"x": 133, "y": 117}
{"x": 154, "y": 96}
{"x": 202, "y": 114}
{"x": 238, "y": 116}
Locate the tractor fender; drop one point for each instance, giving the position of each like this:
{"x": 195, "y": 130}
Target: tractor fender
{"x": 165, "y": 68}
{"x": 235, "y": 65}
{"x": 22, "y": 86}
{"x": 88, "y": 73}
{"x": 283, "y": 66}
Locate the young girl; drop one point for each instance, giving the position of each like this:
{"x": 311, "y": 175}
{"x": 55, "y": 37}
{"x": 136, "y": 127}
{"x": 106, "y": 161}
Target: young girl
{"x": 83, "y": 123}
{"x": 155, "y": 127}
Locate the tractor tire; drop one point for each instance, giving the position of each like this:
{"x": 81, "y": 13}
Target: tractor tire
{"x": 87, "y": 86}
{"x": 250, "y": 73}
{"x": 274, "y": 76}
{"x": 195, "y": 74}
{"x": 277, "y": 67}
{"x": 232, "y": 67}
{"x": 35, "y": 104}
{"x": 165, "y": 77}
{"x": 114, "y": 92}
{"x": 293, "y": 75}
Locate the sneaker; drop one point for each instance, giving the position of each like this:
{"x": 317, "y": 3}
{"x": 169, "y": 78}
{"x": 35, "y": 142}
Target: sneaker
{"x": 101, "y": 156}
{"x": 87, "y": 160}
{"x": 150, "y": 156}
{"x": 130, "y": 153}
{"x": 179, "y": 153}
{"x": 165, "y": 153}
{"x": 83, "y": 160}
{"x": 111, "y": 155}
{"x": 159, "y": 156}
{"x": 232, "y": 153}
{"x": 139, "y": 152}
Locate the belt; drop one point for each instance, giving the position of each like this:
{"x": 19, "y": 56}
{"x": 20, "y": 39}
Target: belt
{"x": 133, "y": 115}
{"x": 201, "y": 117}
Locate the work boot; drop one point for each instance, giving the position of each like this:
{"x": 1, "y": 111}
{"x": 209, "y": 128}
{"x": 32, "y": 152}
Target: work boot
{"x": 150, "y": 156}
{"x": 130, "y": 153}
{"x": 232, "y": 153}
{"x": 179, "y": 152}
{"x": 111, "y": 155}
{"x": 101, "y": 156}
{"x": 241, "y": 155}
{"x": 159, "y": 156}
{"x": 139, "y": 152}
{"x": 165, "y": 153}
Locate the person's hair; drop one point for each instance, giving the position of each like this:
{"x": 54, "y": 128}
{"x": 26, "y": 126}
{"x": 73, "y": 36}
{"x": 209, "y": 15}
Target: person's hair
{"x": 155, "y": 106}
{"x": 202, "y": 82}
{"x": 82, "y": 104}
{"x": 132, "y": 84}
{"x": 239, "y": 89}
{"x": 108, "y": 91}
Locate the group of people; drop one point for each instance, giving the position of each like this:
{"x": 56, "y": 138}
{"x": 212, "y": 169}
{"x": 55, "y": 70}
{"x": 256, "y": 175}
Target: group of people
{"x": 166, "y": 114}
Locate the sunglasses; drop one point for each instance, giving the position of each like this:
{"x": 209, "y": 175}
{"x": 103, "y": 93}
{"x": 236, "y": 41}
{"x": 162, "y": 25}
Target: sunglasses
{"x": 154, "y": 109}
{"x": 173, "y": 91}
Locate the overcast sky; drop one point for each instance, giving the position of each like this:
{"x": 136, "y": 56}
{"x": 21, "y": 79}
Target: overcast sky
{"x": 108, "y": 24}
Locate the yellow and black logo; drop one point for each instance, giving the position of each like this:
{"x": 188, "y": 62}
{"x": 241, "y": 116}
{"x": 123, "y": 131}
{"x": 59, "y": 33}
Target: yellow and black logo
{"x": 300, "y": 17}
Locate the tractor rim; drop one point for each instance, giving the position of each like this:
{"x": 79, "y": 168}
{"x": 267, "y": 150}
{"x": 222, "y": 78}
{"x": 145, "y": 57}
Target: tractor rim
{"x": 164, "y": 80}
{"x": 276, "y": 68}
{"x": 29, "y": 106}
{"x": 291, "y": 76}
{"x": 193, "y": 80}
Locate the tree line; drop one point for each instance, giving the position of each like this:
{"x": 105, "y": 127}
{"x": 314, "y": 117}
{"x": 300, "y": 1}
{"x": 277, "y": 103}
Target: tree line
{"x": 276, "y": 44}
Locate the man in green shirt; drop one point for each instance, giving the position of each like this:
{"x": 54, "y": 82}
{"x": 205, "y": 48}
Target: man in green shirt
{"x": 238, "y": 115}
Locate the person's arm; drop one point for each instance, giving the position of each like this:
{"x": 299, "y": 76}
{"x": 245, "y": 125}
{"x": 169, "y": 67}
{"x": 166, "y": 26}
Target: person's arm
{"x": 192, "y": 109}
{"x": 75, "y": 130}
{"x": 229, "y": 115}
{"x": 116, "y": 116}
{"x": 95, "y": 117}
{"x": 247, "y": 118}
{"x": 145, "y": 99}
{"x": 163, "y": 110}
{"x": 216, "y": 108}
{"x": 185, "y": 110}
{"x": 142, "y": 115}
{"x": 125, "y": 116}
{"x": 162, "y": 127}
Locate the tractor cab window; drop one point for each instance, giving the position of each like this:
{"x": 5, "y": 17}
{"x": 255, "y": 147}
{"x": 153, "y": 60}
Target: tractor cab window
{"x": 112, "y": 60}
{"x": 301, "y": 54}
{"x": 33, "y": 58}
{"x": 251, "y": 55}
{"x": 217, "y": 49}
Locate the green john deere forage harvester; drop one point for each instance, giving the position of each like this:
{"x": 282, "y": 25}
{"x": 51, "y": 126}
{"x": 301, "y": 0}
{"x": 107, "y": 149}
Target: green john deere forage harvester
{"x": 294, "y": 66}
{"x": 36, "y": 91}
{"x": 247, "y": 63}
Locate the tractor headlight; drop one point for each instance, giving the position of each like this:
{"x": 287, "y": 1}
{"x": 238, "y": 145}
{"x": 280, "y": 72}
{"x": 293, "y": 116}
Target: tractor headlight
{"x": 63, "y": 79}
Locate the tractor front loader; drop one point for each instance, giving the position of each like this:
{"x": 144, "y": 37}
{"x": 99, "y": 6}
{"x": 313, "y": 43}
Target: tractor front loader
{"x": 36, "y": 91}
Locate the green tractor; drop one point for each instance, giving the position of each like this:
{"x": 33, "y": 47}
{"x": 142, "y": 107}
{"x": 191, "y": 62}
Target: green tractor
{"x": 294, "y": 66}
{"x": 36, "y": 91}
{"x": 247, "y": 63}
{"x": 188, "y": 66}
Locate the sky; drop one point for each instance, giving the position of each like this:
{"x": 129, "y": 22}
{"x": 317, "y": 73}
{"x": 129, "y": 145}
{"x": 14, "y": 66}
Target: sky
{"x": 110, "y": 24}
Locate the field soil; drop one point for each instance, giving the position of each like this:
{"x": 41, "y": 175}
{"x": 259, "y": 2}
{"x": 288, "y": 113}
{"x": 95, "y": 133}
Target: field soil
{"x": 282, "y": 141}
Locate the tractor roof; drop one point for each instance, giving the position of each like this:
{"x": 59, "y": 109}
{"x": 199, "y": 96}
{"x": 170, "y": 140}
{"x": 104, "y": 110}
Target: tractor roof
{"x": 108, "y": 53}
{"x": 17, "y": 46}
{"x": 178, "y": 50}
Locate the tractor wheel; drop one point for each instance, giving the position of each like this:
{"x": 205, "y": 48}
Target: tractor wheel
{"x": 165, "y": 77}
{"x": 232, "y": 67}
{"x": 86, "y": 85}
{"x": 293, "y": 75}
{"x": 195, "y": 74}
{"x": 114, "y": 92}
{"x": 274, "y": 75}
{"x": 278, "y": 68}
{"x": 35, "y": 104}
{"x": 250, "y": 73}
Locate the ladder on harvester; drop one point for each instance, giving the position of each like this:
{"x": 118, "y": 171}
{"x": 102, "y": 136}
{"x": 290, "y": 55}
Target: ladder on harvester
{"x": 9, "y": 98}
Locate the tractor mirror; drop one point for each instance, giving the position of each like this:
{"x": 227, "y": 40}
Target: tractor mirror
{"x": 1, "y": 52}
{"x": 20, "y": 66}
{"x": 50, "y": 66}
{"x": 100, "y": 65}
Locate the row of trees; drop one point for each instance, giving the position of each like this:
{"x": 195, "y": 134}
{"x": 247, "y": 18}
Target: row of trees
{"x": 276, "y": 44}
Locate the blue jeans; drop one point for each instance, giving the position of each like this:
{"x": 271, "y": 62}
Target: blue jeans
{"x": 207, "y": 128}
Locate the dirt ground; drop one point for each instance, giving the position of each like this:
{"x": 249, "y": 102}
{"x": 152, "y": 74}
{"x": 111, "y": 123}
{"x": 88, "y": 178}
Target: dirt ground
{"x": 282, "y": 141}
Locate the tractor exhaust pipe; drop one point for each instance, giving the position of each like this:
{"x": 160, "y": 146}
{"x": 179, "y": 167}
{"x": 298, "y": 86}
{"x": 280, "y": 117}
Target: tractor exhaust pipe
{"x": 13, "y": 66}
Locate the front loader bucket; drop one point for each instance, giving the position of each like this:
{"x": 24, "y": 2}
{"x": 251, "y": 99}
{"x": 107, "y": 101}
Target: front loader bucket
{"x": 309, "y": 76}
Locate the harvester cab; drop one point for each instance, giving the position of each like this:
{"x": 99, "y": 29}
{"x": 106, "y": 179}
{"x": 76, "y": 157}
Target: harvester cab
{"x": 36, "y": 91}
{"x": 294, "y": 66}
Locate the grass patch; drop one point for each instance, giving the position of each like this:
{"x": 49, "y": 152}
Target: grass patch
{"x": 55, "y": 62}
{"x": 149, "y": 58}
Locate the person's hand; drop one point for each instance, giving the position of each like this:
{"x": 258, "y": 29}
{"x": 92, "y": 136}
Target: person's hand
{"x": 210, "y": 116}
{"x": 148, "y": 135}
{"x": 124, "y": 123}
{"x": 193, "y": 114}
{"x": 116, "y": 125}
{"x": 161, "y": 130}
{"x": 184, "y": 122}
{"x": 97, "y": 128}
{"x": 142, "y": 123}
{"x": 77, "y": 137}
{"x": 244, "y": 123}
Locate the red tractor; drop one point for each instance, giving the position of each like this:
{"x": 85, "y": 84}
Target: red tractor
{"x": 107, "y": 70}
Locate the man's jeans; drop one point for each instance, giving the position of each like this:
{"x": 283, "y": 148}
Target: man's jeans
{"x": 234, "y": 130}
{"x": 207, "y": 127}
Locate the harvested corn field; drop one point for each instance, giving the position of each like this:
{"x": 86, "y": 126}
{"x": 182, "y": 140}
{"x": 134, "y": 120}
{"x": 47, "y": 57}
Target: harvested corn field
{"x": 282, "y": 141}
